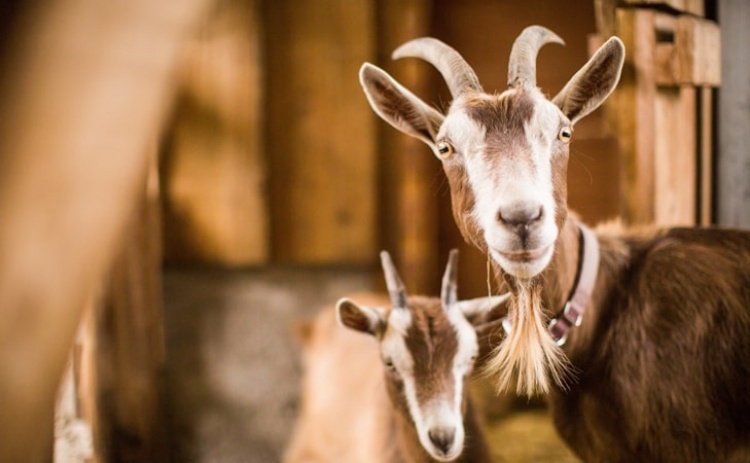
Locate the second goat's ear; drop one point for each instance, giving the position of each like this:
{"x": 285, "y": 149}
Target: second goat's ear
{"x": 398, "y": 106}
{"x": 593, "y": 83}
{"x": 359, "y": 317}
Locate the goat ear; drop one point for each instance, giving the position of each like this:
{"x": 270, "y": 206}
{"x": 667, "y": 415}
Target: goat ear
{"x": 359, "y": 317}
{"x": 593, "y": 83}
{"x": 398, "y": 106}
{"x": 476, "y": 310}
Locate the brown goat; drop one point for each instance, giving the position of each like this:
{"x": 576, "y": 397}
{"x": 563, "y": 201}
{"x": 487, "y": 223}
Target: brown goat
{"x": 418, "y": 409}
{"x": 659, "y": 368}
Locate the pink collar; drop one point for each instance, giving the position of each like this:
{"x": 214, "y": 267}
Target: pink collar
{"x": 588, "y": 265}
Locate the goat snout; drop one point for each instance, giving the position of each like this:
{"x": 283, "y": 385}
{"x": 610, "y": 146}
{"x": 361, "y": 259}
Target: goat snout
{"x": 520, "y": 217}
{"x": 442, "y": 438}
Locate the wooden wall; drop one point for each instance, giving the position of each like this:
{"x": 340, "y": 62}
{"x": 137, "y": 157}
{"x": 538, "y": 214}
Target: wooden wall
{"x": 662, "y": 110}
{"x": 274, "y": 156}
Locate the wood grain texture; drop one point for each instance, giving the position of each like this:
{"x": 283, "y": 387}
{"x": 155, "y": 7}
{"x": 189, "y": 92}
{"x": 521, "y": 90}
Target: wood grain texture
{"x": 409, "y": 169}
{"x": 87, "y": 90}
{"x": 694, "y": 7}
{"x": 321, "y": 133}
{"x": 213, "y": 156}
{"x": 633, "y": 107}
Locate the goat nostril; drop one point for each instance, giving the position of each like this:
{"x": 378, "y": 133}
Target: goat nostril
{"x": 519, "y": 216}
{"x": 442, "y": 438}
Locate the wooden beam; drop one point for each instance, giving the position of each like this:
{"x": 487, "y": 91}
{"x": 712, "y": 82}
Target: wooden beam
{"x": 694, "y": 7}
{"x": 83, "y": 91}
{"x": 707, "y": 167}
{"x": 635, "y": 114}
{"x": 675, "y": 156}
{"x": 213, "y": 157}
{"x": 693, "y": 56}
{"x": 130, "y": 351}
{"x": 321, "y": 133}
{"x": 410, "y": 206}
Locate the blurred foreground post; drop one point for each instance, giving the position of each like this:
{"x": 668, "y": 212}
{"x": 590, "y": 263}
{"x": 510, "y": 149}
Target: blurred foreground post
{"x": 84, "y": 86}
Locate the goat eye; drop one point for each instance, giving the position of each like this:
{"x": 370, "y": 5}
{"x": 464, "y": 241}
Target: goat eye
{"x": 389, "y": 364}
{"x": 445, "y": 149}
{"x": 566, "y": 133}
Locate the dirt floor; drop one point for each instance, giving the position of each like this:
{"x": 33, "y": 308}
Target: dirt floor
{"x": 233, "y": 370}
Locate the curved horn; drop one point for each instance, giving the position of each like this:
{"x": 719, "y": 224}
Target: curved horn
{"x": 393, "y": 282}
{"x": 449, "y": 291}
{"x": 459, "y": 76}
{"x": 522, "y": 64}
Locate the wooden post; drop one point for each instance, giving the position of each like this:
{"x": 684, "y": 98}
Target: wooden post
{"x": 320, "y": 132}
{"x": 410, "y": 206}
{"x": 213, "y": 158}
{"x": 130, "y": 352}
{"x": 83, "y": 91}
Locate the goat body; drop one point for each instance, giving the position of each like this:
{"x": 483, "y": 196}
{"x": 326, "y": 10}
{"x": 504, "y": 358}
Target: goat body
{"x": 345, "y": 414}
{"x": 663, "y": 356}
{"x": 659, "y": 370}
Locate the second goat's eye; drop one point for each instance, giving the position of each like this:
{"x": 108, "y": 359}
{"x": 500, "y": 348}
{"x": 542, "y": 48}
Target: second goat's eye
{"x": 390, "y": 367}
{"x": 566, "y": 133}
{"x": 445, "y": 149}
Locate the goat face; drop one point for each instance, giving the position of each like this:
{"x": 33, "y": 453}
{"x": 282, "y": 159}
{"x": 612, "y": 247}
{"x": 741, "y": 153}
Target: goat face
{"x": 505, "y": 155}
{"x": 428, "y": 348}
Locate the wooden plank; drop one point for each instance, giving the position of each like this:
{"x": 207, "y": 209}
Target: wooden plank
{"x": 85, "y": 90}
{"x": 213, "y": 166}
{"x": 634, "y": 113}
{"x": 115, "y": 410}
{"x": 321, "y": 132}
{"x": 410, "y": 202}
{"x": 694, "y": 55}
{"x": 694, "y": 7}
{"x": 733, "y": 188}
{"x": 675, "y": 162}
{"x": 706, "y": 156}
{"x": 130, "y": 357}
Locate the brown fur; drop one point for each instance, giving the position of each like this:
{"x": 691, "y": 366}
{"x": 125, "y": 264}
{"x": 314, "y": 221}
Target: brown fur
{"x": 353, "y": 411}
{"x": 663, "y": 354}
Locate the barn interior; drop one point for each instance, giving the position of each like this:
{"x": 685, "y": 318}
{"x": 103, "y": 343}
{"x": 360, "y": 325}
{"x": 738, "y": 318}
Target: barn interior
{"x": 184, "y": 183}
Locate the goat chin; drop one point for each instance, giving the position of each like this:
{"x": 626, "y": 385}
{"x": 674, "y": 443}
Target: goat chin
{"x": 528, "y": 359}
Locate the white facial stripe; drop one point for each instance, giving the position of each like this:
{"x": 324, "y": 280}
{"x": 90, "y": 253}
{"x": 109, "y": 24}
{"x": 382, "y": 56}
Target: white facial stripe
{"x": 465, "y": 134}
{"x": 393, "y": 344}
{"x": 521, "y": 174}
{"x": 444, "y": 411}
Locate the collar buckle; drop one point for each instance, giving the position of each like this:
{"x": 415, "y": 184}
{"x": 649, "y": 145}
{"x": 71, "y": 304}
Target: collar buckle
{"x": 560, "y": 326}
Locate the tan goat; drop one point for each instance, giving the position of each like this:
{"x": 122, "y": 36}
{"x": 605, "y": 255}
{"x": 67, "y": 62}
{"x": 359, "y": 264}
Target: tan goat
{"x": 390, "y": 384}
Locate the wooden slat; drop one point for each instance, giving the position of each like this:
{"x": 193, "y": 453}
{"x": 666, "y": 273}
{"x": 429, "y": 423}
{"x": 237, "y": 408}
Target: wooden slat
{"x": 213, "y": 165}
{"x": 675, "y": 149}
{"x": 694, "y": 7}
{"x": 410, "y": 205}
{"x": 706, "y": 194}
{"x": 130, "y": 356}
{"x": 694, "y": 55}
{"x": 85, "y": 90}
{"x": 321, "y": 132}
{"x": 633, "y": 108}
